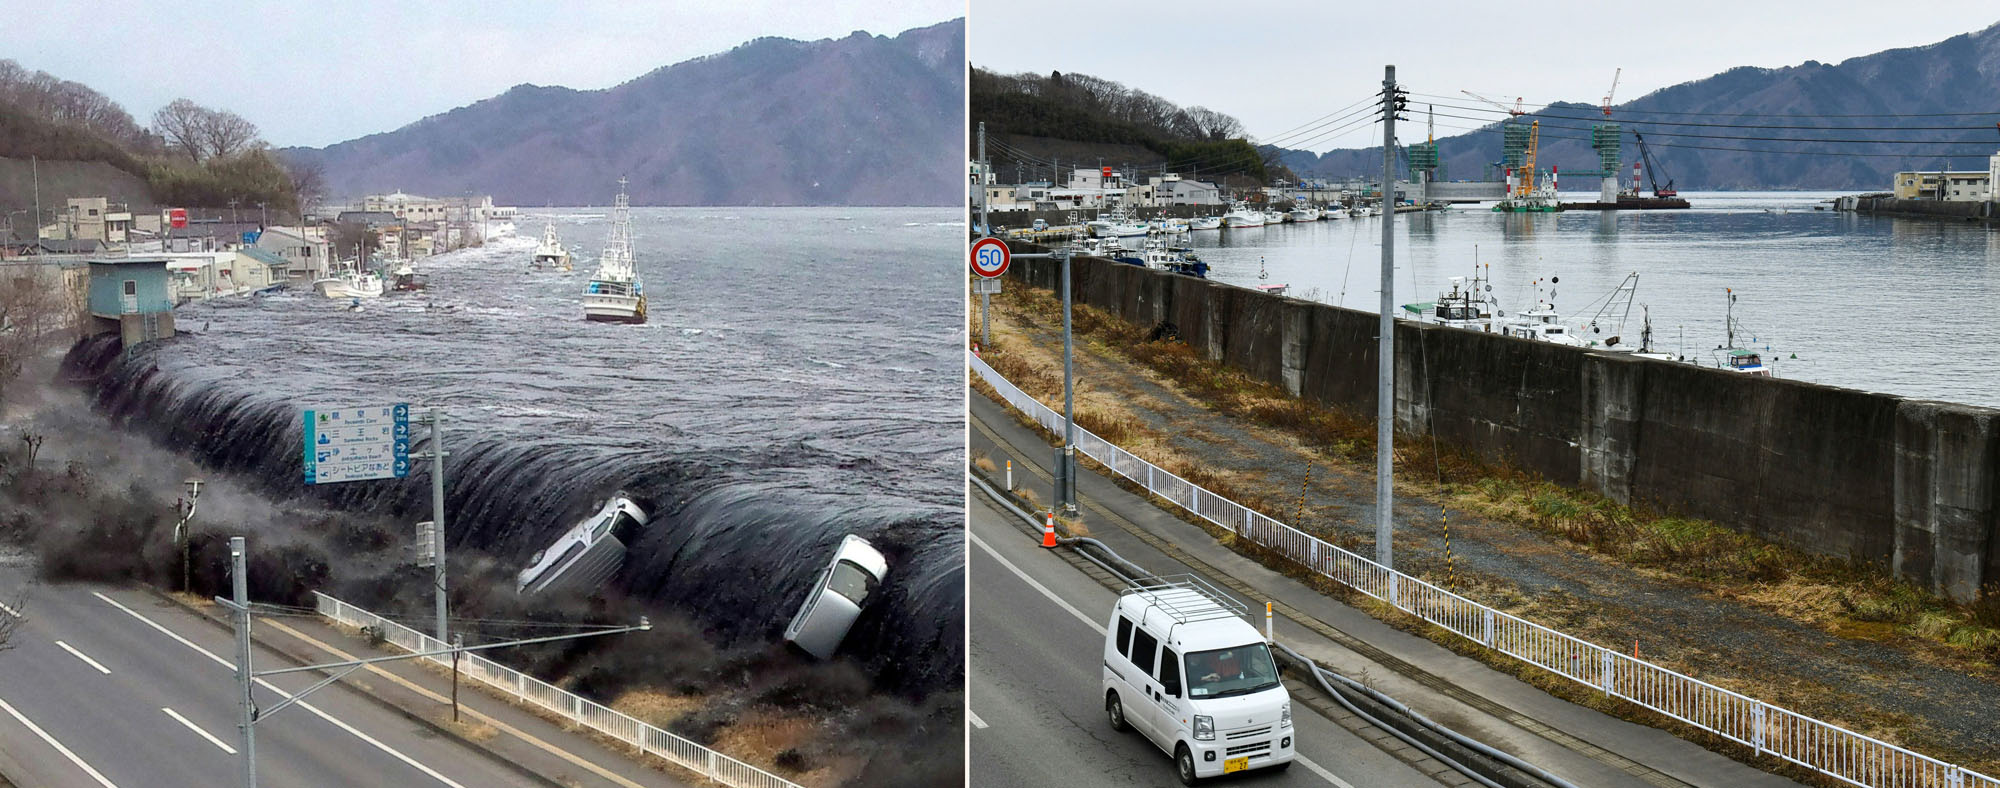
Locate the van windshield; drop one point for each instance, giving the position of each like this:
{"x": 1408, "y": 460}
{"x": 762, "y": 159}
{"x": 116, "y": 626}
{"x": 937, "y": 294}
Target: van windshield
{"x": 1231, "y": 671}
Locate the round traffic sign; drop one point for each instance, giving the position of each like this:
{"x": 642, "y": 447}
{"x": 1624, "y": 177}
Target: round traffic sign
{"x": 990, "y": 257}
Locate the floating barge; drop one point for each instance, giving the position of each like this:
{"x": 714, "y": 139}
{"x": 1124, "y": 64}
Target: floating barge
{"x": 1629, "y": 204}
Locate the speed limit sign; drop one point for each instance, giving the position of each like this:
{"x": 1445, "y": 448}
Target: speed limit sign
{"x": 990, "y": 257}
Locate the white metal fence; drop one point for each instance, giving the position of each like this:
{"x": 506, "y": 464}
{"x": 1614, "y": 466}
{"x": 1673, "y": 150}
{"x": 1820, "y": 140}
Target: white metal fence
{"x": 1824, "y": 747}
{"x": 528, "y": 689}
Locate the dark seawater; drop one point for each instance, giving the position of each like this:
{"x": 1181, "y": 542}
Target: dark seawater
{"x": 1864, "y": 302}
{"x": 798, "y": 381}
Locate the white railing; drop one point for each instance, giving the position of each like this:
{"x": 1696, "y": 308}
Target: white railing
{"x": 530, "y": 690}
{"x": 1821, "y": 746}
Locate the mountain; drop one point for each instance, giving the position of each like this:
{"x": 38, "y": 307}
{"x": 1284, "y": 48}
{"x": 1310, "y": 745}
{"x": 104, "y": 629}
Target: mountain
{"x": 1956, "y": 75}
{"x": 862, "y": 120}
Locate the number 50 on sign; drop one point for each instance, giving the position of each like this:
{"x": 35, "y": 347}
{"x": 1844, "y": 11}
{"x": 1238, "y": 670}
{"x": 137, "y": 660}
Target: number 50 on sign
{"x": 990, "y": 257}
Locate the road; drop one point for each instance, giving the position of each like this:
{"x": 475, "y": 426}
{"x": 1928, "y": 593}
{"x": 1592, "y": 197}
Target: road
{"x": 1033, "y": 684}
{"x": 105, "y": 686}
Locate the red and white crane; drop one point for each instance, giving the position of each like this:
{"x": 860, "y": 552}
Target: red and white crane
{"x": 1614, "y": 89}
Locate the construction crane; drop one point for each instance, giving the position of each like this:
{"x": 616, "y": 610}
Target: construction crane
{"x": 1614, "y": 89}
{"x": 1653, "y": 166}
{"x": 1528, "y": 165}
{"x": 1512, "y": 113}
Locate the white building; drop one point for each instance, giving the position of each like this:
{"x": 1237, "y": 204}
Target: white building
{"x": 192, "y": 276}
{"x": 409, "y": 207}
{"x": 1993, "y": 178}
{"x": 1175, "y": 190}
{"x": 304, "y": 248}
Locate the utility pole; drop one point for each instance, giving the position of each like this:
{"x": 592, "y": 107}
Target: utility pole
{"x": 985, "y": 228}
{"x": 436, "y": 454}
{"x": 1385, "y": 368}
{"x": 181, "y": 532}
{"x": 35, "y": 165}
{"x": 239, "y": 585}
{"x": 1066, "y": 456}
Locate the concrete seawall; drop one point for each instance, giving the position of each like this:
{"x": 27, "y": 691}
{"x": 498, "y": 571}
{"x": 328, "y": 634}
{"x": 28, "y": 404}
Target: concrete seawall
{"x": 1902, "y": 484}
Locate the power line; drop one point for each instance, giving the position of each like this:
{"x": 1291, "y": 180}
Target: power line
{"x": 1771, "y": 114}
{"x": 1546, "y": 124}
{"x": 1905, "y": 156}
{"x": 1601, "y": 119}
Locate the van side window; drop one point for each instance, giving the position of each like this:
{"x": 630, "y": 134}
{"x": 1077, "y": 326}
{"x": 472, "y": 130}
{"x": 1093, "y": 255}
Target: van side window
{"x": 1124, "y": 636}
{"x": 1170, "y": 672}
{"x": 1143, "y": 646}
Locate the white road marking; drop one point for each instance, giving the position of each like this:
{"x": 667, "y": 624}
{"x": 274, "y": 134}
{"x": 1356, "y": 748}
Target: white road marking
{"x": 272, "y": 687}
{"x": 80, "y": 655}
{"x": 1329, "y": 776}
{"x": 197, "y": 729}
{"x": 1094, "y": 626}
{"x": 37, "y": 729}
{"x": 974, "y": 718}
{"x": 1314, "y": 767}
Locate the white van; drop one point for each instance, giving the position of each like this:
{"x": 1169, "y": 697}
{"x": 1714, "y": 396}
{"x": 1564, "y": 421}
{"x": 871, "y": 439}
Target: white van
{"x": 1183, "y": 666}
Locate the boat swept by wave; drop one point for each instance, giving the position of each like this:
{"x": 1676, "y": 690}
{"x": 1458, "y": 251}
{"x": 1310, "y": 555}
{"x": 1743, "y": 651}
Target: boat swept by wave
{"x": 616, "y": 294}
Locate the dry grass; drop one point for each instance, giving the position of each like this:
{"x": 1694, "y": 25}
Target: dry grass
{"x": 984, "y": 463}
{"x": 469, "y": 728}
{"x": 657, "y": 708}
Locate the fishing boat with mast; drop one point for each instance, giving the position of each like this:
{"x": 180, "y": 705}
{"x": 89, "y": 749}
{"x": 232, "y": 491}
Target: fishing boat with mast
{"x": 1738, "y": 359}
{"x": 615, "y": 293}
{"x": 550, "y": 255}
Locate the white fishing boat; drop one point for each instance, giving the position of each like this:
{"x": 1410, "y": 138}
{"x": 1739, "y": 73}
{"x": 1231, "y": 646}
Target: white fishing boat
{"x": 1119, "y": 224}
{"x": 349, "y": 282}
{"x": 1334, "y": 212}
{"x": 1465, "y": 305}
{"x": 615, "y": 293}
{"x": 1738, "y": 359}
{"x": 550, "y": 255}
{"x": 1305, "y": 213}
{"x": 1205, "y": 223}
{"x": 1542, "y": 322}
{"x": 1240, "y": 215}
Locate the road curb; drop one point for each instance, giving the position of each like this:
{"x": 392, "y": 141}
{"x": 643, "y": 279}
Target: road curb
{"x": 412, "y": 716}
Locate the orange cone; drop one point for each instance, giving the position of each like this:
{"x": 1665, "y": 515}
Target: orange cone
{"x": 1049, "y": 530}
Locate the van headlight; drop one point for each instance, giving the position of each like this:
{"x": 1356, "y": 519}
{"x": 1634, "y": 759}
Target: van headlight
{"x": 1204, "y": 728}
{"x": 1285, "y": 714}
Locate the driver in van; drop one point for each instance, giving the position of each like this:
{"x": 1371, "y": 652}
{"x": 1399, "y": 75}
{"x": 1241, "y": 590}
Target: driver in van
{"x": 1223, "y": 665}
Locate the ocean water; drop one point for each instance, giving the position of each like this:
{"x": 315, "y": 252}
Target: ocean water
{"x": 798, "y": 380}
{"x": 1872, "y": 303}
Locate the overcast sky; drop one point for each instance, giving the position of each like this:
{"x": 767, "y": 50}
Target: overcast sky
{"x": 316, "y": 73}
{"x": 1277, "y": 66}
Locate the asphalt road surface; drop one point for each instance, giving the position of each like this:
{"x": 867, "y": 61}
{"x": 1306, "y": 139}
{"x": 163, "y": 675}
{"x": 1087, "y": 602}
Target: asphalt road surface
{"x": 1033, "y": 686}
{"x": 103, "y": 686}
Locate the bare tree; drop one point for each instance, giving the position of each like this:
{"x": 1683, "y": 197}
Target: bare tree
{"x": 180, "y": 123}
{"x": 1211, "y": 125}
{"x": 225, "y": 134}
{"x": 308, "y": 180}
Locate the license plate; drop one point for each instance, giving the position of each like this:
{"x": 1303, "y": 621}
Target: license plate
{"x": 1235, "y": 764}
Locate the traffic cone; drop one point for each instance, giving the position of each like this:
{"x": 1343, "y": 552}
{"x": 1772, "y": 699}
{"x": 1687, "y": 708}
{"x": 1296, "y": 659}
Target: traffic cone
{"x": 1049, "y": 530}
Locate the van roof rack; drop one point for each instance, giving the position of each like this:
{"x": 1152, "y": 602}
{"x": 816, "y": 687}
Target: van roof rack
{"x": 1187, "y": 598}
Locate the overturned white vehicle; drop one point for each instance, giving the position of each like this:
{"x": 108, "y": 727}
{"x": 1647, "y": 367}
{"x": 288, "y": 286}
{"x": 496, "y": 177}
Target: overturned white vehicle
{"x": 836, "y": 597}
{"x": 587, "y": 556}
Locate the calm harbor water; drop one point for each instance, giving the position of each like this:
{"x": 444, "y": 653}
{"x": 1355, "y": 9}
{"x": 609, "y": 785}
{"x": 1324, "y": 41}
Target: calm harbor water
{"x": 1863, "y": 302}
{"x": 798, "y": 380}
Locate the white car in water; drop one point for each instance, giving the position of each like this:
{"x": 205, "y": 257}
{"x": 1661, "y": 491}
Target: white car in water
{"x": 588, "y": 555}
{"x": 836, "y": 597}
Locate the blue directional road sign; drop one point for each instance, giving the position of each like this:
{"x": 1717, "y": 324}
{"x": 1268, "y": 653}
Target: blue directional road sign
{"x": 354, "y": 444}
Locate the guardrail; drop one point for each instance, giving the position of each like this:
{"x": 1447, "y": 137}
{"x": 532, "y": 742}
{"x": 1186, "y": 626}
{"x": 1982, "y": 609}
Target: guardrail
{"x": 528, "y": 689}
{"x": 1821, "y": 746}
